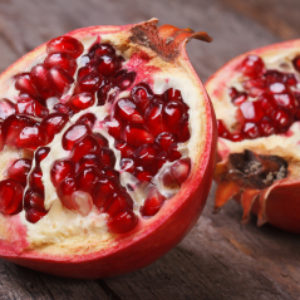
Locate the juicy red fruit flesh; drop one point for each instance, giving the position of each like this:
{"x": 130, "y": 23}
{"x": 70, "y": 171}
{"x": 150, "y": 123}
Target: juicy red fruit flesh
{"x": 274, "y": 103}
{"x": 146, "y": 128}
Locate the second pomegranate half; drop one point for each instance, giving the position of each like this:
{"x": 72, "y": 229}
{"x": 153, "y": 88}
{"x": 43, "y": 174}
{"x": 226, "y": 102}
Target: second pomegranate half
{"x": 256, "y": 97}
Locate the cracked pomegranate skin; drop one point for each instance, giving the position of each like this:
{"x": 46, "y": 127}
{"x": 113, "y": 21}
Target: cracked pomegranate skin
{"x": 81, "y": 121}
{"x": 261, "y": 87}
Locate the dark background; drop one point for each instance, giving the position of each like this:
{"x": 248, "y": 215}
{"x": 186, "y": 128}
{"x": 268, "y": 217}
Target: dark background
{"x": 219, "y": 259}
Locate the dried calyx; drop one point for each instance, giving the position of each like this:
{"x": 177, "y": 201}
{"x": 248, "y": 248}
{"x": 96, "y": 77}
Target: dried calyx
{"x": 255, "y": 171}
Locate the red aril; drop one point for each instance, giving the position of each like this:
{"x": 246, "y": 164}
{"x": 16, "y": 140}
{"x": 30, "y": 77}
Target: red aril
{"x": 11, "y": 195}
{"x": 103, "y": 112}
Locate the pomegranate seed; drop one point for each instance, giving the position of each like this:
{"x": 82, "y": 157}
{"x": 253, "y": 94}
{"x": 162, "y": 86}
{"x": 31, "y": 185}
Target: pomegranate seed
{"x": 141, "y": 175}
{"x": 11, "y": 195}
{"x": 173, "y": 114}
{"x": 87, "y": 179}
{"x": 62, "y": 61}
{"x": 65, "y": 44}
{"x": 36, "y": 180}
{"x": 89, "y": 160}
{"x": 177, "y": 173}
{"x": 34, "y": 199}
{"x": 173, "y": 153}
{"x": 296, "y": 63}
{"x": 103, "y": 91}
{"x": 19, "y": 170}
{"x": 123, "y": 222}
{"x": 108, "y": 65}
{"x": 118, "y": 203}
{"x": 266, "y": 127}
{"x": 165, "y": 140}
{"x": 252, "y": 111}
{"x": 81, "y": 101}
{"x": 273, "y": 76}
{"x": 251, "y": 130}
{"x": 30, "y": 137}
{"x": 84, "y": 146}
{"x": 60, "y": 170}
{"x": 172, "y": 95}
{"x": 101, "y": 49}
{"x": 141, "y": 95}
{"x": 267, "y": 104}
{"x": 236, "y": 137}
{"x": 154, "y": 118}
{"x": 60, "y": 79}
{"x": 74, "y": 134}
{"x": 282, "y": 118}
{"x": 82, "y": 202}
{"x": 107, "y": 157}
{"x": 127, "y": 110}
{"x": 255, "y": 87}
{"x": 52, "y": 124}
{"x": 40, "y": 154}
{"x": 222, "y": 130}
{"x": 1, "y": 136}
{"x": 111, "y": 174}
{"x": 29, "y": 106}
{"x": 22, "y": 132}
{"x": 152, "y": 203}
{"x": 277, "y": 88}
{"x": 286, "y": 101}
{"x": 124, "y": 148}
{"x": 32, "y": 215}
{"x": 41, "y": 79}
{"x": 114, "y": 128}
{"x": 63, "y": 108}
{"x": 127, "y": 165}
{"x": 103, "y": 192}
{"x": 25, "y": 85}
{"x": 146, "y": 155}
{"x": 237, "y": 97}
{"x": 7, "y": 108}
{"x": 124, "y": 79}
{"x": 102, "y": 141}
{"x": 184, "y": 134}
{"x": 290, "y": 79}
{"x": 65, "y": 190}
{"x": 88, "y": 119}
{"x": 136, "y": 136}
{"x": 252, "y": 66}
{"x": 84, "y": 71}
{"x": 89, "y": 83}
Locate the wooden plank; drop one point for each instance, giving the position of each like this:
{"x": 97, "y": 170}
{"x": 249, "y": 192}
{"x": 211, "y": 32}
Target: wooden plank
{"x": 219, "y": 259}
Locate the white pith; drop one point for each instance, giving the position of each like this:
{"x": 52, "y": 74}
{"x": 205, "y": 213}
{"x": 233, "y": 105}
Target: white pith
{"x": 63, "y": 231}
{"x": 286, "y": 145}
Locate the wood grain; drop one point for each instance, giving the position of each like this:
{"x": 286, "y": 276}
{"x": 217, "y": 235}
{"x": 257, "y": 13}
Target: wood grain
{"x": 219, "y": 259}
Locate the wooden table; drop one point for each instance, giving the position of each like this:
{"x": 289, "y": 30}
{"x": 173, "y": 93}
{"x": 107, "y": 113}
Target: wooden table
{"x": 219, "y": 259}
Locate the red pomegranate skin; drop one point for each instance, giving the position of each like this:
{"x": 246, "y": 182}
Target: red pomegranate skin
{"x": 152, "y": 237}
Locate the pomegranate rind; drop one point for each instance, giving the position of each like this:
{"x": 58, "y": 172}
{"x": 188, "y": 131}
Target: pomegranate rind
{"x": 279, "y": 203}
{"x": 153, "y": 236}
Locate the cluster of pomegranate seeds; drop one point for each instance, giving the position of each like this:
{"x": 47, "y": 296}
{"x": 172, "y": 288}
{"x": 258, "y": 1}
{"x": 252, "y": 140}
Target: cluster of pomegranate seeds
{"x": 269, "y": 102}
{"x": 146, "y": 128}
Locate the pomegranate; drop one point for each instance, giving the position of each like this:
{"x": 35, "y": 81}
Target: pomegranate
{"x": 256, "y": 97}
{"x": 107, "y": 144}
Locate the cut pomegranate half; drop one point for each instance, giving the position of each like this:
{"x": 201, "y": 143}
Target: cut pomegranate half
{"x": 96, "y": 121}
{"x": 256, "y": 97}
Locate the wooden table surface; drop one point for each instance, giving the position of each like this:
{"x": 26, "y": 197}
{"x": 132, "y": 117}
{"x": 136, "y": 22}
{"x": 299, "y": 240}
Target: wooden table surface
{"x": 219, "y": 258}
